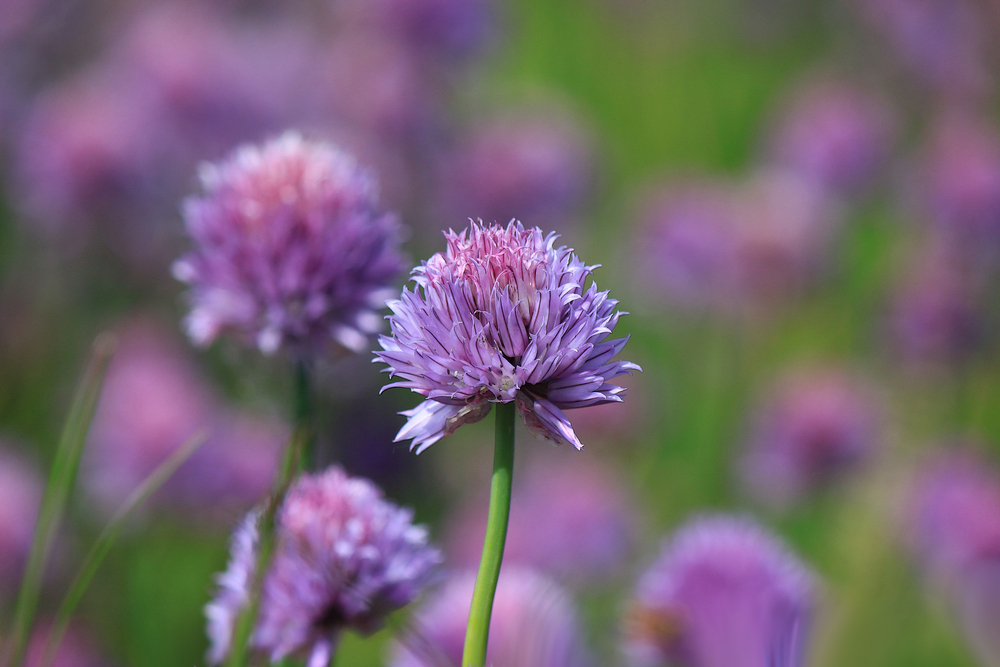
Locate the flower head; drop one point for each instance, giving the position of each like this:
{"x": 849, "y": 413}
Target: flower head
{"x": 836, "y": 134}
{"x": 20, "y": 496}
{"x": 153, "y": 401}
{"x": 291, "y": 248}
{"x": 568, "y": 519}
{"x": 533, "y": 623}
{"x": 502, "y": 315}
{"x": 345, "y": 559}
{"x": 724, "y": 593}
{"x": 954, "y": 531}
{"x": 532, "y": 164}
{"x": 817, "y": 427}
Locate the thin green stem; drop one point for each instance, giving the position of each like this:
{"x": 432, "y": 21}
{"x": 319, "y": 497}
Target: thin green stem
{"x": 57, "y": 492}
{"x": 304, "y": 414}
{"x": 478, "y": 630}
{"x": 266, "y": 542}
{"x": 107, "y": 538}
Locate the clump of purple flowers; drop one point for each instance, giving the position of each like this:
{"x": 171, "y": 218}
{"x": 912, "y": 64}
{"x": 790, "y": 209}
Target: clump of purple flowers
{"x": 345, "y": 558}
{"x": 291, "y": 248}
{"x": 502, "y": 315}
{"x": 534, "y": 623}
{"x": 724, "y": 593}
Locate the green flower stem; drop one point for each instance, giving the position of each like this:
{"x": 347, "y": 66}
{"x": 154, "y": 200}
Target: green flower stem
{"x": 478, "y": 630}
{"x": 266, "y": 542}
{"x": 57, "y": 492}
{"x": 304, "y": 414}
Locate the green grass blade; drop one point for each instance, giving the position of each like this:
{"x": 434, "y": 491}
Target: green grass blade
{"x": 107, "y": 538}
{"x": 57, "y": 492}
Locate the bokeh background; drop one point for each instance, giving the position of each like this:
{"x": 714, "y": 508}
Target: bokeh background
{"x": 797, "y": 202}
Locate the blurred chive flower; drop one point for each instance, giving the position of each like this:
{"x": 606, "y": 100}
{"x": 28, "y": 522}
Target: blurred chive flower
{"x": 535, "y": 165}
{"x": 818, "y": 426}
{"x": 20, "y": 497}
{"x": 723, "y": 593}
{"x": 153, "y": 400}
{"x": 291, "y": 249}
{"x": 345, "y": 559}
{"x": 836, "y": 134}
{"x": 503, "y": 315}
{"x": 568, "y": 519}
{"x": 954, "y": 531}
{"x": 533, "y": 624}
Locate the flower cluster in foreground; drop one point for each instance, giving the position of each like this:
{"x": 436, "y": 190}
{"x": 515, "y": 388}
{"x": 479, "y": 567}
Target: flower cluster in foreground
{"x": 345, "y": 558}
{"x": 291, "y": 248}
{"x": 502, "y": 315}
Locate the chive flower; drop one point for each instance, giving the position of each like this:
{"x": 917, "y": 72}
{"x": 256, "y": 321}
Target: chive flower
{"x": 345, "y": 558}
{"x": 291, "y": 249}
{"x": 724, "y": 593}
{"x": 502, "y": 315}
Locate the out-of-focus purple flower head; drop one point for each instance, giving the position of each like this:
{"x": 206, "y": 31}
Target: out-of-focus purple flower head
{"x": 152, "y": 402}
{"x": 785, "y": 226}
{"x": 934, "y": 316}
{"x": 954, "y": 513}
{"x": 569, "y": 520}
{"x": 16, "y": 16}
{"x": 533, "y": 623}
{"x": 816, "y": 426}
{"x": 531, "y": 165}
{"x": 439, "y": 29}
{"x": 218, "y": 81}
{"x": 721, "y": 245}
{"x": 835, "y": 133}
{"x": 943, "y": 42}
{"x": 88, "y": 150}
{"x": 503, "y": 315}
{"x": 959, "y": 180}
{"x": 688, "y": 245}
{"x": 954, "y": 532}
{"x": 20, "y": 496}
{"x": 345, "y": 559}
{"x": 723, "y": 593}
{"x": 75, "y": 650}
{"x": 373, "y": 82}
{"x": 291, "y": 249}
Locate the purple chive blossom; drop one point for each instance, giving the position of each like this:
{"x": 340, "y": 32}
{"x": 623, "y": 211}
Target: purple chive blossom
{"x": 836, "y": 134}
{"x": 959, "y": 179}
{"x": 533, "y": 623}
{"x": 345, "y": 559}
{"x": 502, "y": 315}
{"x": 954, "y": 519}
{"x": 20, "y": 495}
{"x": 570, "y": 520}
{"x": 291, "y": 249}
{"x": 154, "y": 400}
{"x": 440, "y": 29}
{"x": 724, "y": 593}
{"x": 530, "y": 165}
{"x": 954, "y": 530}
{"x": 687, "y": 250}
{"x": 817, "y": 427}
{"x": 942, "y": 41}
{"x": 934, "y": 316}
